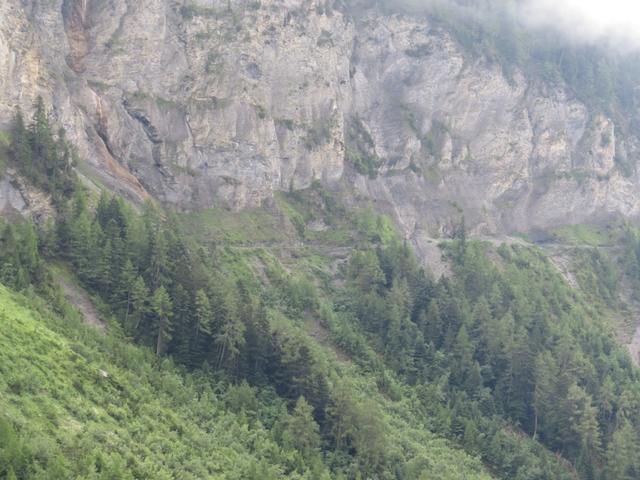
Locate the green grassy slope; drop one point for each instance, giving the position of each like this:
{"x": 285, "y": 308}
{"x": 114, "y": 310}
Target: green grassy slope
{"x": 321, "y": 238}
{"x": 360, "y": 364}
{"x": 78, "y": 404}
{"x": 89, "y": 406}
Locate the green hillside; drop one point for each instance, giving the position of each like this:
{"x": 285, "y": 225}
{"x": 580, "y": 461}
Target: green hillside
{"x": 305, "y": 341}
{"x": 76, "y": 403}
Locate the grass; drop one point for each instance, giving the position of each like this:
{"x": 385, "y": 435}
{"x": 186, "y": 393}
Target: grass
{"x": 587, "y": 235}
{"x": 341, "y": 228}
{"x": 5, "y": 141}
{"x": 252, "y": 239}
{"x": 83, "y": 404}
{"x": 525, "y": 236}
{"x": 291, "y": 224}
{"x": 249, "y": 227}
{"x": 73, "y": 394}
{"x": 97, "y": 403}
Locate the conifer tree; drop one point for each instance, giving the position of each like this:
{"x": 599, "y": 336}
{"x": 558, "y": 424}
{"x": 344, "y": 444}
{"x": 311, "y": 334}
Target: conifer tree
{"x": 102, "y": 215}
{"x": 204, "y": 314}
{"x": 162, "y": 309}
{"x": 139, "y": 304}
{"x": 622, "y": 461}
{"x": 21, "y": 145}
{"x": 301, "y": 431}
{"x": 122, "y": 296}
{"x": 584, "y": 422}
{"x": 43, "y": 158}
{"x": 230, "y": 337}
{"x": 157, "y": 258}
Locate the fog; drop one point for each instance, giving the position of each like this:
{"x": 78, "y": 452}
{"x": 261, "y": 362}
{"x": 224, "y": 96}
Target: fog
{"x": 616, "y": 22}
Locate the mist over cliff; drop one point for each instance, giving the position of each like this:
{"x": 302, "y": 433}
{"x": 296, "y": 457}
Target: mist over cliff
{"x": 614, "y": 23}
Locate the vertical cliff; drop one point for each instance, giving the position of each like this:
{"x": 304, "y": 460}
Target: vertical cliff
{"x": 202, "y": 103}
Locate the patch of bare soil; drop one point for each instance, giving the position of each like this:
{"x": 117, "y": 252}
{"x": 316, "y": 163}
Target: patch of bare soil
{"x": 80, "y": 299}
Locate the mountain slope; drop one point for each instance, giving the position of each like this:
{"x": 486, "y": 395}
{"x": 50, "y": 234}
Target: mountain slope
{"x": 94, "y": 407}
{"x": 297, "y": 170}
{"x": 77, "y": 404}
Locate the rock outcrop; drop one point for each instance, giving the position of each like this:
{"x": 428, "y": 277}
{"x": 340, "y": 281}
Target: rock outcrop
{"x": 212, "y": 102}
{"x": 18, "y": 198}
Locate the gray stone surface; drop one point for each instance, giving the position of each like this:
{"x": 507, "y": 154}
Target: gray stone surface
{"x": 199, "y": 105}
{"x": 17, "y": 197}
{"x": 11, "y": 200}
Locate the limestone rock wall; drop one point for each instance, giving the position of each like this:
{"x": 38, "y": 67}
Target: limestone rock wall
{"x": 224, "y": 102}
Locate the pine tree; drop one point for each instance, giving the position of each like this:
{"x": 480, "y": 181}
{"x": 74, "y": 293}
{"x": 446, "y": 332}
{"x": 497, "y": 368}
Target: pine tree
{"x": 622, "y": 454}
{"x": 116, "y": 213}
{"x": 198, "y": 333}
{"x": 116, "y": 255}
{"x": 105, "y": 269}
{"x": 43, "y": 159}
{"x": 124, "y": 288}
{"x": 102, "y": 210}
{"x": 97, "y": 264}
{"x": 204, "y": 314}
{"x": 365, "y": 272}
{"x": 80, "y": 246}
{"x": 20, "y": 150}
{"x": 157, "y": 264}
{"x": 230, "y": 337}
{"x": 461, "y": 245}
{"x": 258, "y": 343}
{"x": 301, "y": 430}
{"x": 463, "y": 351}
{"x": 546, "y": 398}
{"x": 433, "y": 323}
{"x": 183, "y": 341}
{"x": 342, "y": 415}
{"x": 584, "y": 422}
{"x": 28, "y": 248}
{"x": 139, "y": 304}
{"x": 162, "y": 309}
{"x": 369, "y": 438}
{"x": 42, "y": 144}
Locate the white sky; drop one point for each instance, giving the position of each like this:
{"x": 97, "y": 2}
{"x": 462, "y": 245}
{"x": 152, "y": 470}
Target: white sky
{"x": 589, "y": 20}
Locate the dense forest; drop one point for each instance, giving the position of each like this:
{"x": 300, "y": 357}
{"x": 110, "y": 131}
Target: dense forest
{"x": 502, "y": 359}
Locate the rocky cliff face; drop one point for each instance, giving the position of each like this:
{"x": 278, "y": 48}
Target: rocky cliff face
{"x": 211, "y": 102}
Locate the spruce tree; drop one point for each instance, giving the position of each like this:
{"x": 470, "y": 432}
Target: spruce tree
{"x": 230, "y": 337}
{"x": 204, "y": 315}
{"x": 301, "y": 430}
{"x": 139, "y": 298}
{"x": 161, "y": 307}
{"x": 122, "y": 295}
{"x": 20, "y": 149}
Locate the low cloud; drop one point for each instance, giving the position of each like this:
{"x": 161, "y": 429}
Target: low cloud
{"x": 614, "y": 22}
{"x": 590, "y": 21}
